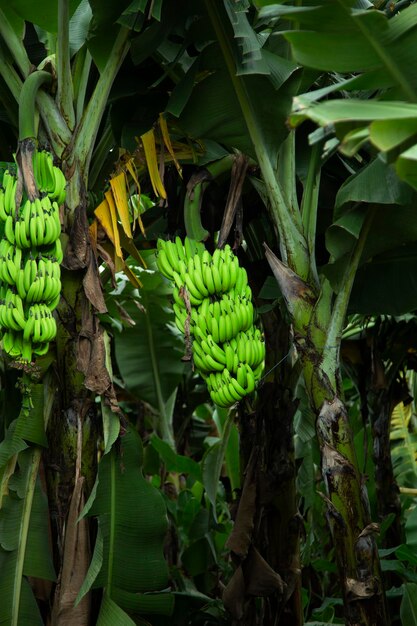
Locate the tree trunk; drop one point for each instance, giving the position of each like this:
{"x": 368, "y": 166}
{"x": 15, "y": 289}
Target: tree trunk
{"x": 268, "y": 507}
{"x": 349, "y": 520}
{"x": 74, "y": 431}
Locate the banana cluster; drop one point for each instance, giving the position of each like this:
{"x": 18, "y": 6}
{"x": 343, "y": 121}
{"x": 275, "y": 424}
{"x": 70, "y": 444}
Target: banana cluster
{"x": 228, "y": 350}
{"x": 49, "y": 178}
{"x": 30, "y": 258}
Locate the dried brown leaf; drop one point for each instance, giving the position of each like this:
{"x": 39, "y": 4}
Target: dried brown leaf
{"x": 237, "y": 178}
{"x": 77, "y": 251}
{"x": 92, "y": 286}
{"x": 74, "y": 568}
{"x": 260, "y": 578}
{"x": 240, "y": 538}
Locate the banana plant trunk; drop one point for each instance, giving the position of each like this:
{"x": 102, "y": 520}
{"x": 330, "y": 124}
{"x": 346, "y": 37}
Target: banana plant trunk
{"x": 317, "y": 327}
{"x": 278, "y": 526}
{"x": 74, "y": 429}
{"x": 266, "y": 586}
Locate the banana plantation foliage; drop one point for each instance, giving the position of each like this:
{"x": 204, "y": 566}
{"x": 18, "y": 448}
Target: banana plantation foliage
{"x": 208, "y": 252}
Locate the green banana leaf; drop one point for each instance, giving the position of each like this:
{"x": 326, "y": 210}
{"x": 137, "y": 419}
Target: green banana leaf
{"x": 47, "y": 18}
{"x": 376, "y": 183}
{"x": 128, "y": 558}
{"x": 403, "y": 446}
{"x": 221, "y": 119}
{"x": 24, "y": 542}
{"x": 111, "y": 613}
{"x": 408, "y": 609}
{"x": 325, "y": 32}
{"x": 175, "y": 462}
{"x": 264, "y": 76}
{"x": 231, "y": 455}
{"x": 149, "y": 353}
{"x": 28, "y": 427}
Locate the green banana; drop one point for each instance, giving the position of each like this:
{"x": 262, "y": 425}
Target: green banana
{"x": 228, "y": 350}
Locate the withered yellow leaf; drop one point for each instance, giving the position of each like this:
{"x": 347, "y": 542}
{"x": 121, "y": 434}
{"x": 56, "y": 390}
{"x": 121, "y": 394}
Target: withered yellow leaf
{"x": 149, "y": 148}
{"x": 130, "y": 166}
{"x": 118, "y": 187}
{"x": 132, "y": 276}
{"x": 92, "y": 231}
{"x": 129, "y": 247}
{"x": 106, "y": 214}
{"x": 167, "y": 141}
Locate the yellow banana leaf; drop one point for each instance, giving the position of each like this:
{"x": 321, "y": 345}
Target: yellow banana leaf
{"x": 167, "y": 141}
{"x": 118, "y": 187}
{"x": 106, "y": 214}
{"x": 130, "y": 166}
{"x": 92, "y": 230}
{"x": 129, "y": 247}
{"x": 132, "y": 276}
{"x": 149, "y": 148}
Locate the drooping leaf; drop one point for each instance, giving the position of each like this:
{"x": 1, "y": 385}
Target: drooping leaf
{"x": 221, "y": 119}
{"x": 47, "y": 18}
{"x": 387, "y": 236}
{"x": 106, "y": 214}
{"x": 111, "y": 613}
{"x": 167, "y": 140}
{"x": 24, "y": 510}
{"x": 149, "y": 353}
{"x": 118, "y": 187}
{"x": 96, "y": 562}
{"x": 175, "y": 462}
{"x": 133, "y": 523}
{"x": 213, "y": 461}
{"x": 376, "y": 183}
{"x": 10, "y": 445}
{"x": 150, "y": 603}
{"x": 390, "y": 126}
{"x": 24, "y": 542}
{"x": 408, "y": 609}
{"x": 29, "y": 614}
{"x": 156, "y": 33}
{"x": 406, "y": 553}
{"x": 232, "y": 455}
{"x": 149, "y": 147}
{"x": 30, "y": 424}
{"x": 379, "y": 43}
{"x": 75, "y": 564}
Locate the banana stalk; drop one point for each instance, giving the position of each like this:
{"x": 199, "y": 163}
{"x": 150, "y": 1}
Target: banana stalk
{"x": 317, "y": 331}
{"x": 27, "y": 132}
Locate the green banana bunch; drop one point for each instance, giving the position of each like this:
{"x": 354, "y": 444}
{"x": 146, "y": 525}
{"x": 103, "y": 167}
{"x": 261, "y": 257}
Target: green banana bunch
{"x": 8, "y": 195}
{"x": 49, "y": 179}
{"x": 30, "y": 258}
{"x": 228, "y": 350}
{"x": 37, "y": 224}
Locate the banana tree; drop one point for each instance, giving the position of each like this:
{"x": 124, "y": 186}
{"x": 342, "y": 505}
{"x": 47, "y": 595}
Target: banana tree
{"x": 317, "y": 298}
{"x": 58, "y": 67}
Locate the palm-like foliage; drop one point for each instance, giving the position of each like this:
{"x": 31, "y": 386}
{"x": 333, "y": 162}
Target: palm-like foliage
{"x": 225, "y": 77}
{"x": 404, "y": 446}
